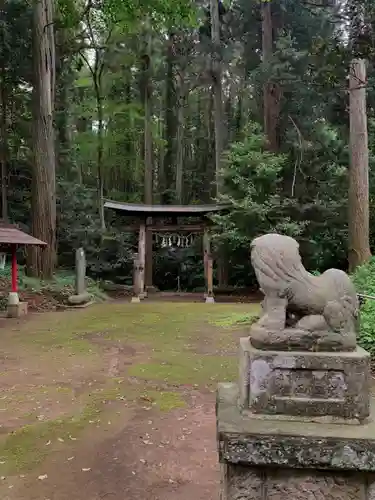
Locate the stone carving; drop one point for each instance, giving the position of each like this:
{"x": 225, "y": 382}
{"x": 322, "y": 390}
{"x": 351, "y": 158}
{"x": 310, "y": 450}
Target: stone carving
{"x": 301, "y": 311}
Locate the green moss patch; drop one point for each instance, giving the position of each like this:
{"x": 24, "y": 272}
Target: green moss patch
{"x": 238, "y": 319}
{"x": 164, "y": 400}
{"x": 28, "y": 446}
{"x": 187, "y": 369}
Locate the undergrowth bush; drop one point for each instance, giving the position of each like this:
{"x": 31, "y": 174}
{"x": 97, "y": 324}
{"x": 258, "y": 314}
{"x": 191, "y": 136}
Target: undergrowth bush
{"x": 61, "y": 286}
{"x": 364, "y": 280}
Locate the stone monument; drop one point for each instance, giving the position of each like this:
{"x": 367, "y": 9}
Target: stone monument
{"x": 81, "y": 297}
{"x": 299, "y": 421}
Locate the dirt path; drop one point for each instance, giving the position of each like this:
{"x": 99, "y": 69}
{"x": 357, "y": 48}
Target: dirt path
{"x": 140, "y": 454}
{"x": 115, "y": 401}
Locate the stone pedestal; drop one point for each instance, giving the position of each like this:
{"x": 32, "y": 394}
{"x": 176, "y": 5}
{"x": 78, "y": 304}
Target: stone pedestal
{"x": 307, "y": 384}
{"x": 17, "y": 310}
{"x": 298, "y": 424}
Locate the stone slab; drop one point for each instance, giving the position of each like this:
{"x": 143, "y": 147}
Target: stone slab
{"x": 80, "y": 272}
{"x": 334, "y": 384}
{"x": 256, "y": 442}
{"x": 17, "y": 310}
{"x": 80, "y": 306}
{"x": 79, "y": 300}
{"x": 250, "y": 483}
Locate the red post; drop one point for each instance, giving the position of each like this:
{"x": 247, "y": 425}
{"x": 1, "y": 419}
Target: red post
{"x": 14, "y": 269}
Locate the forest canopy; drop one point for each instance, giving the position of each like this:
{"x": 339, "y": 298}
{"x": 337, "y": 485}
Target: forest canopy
{"x": 244, "y": 102}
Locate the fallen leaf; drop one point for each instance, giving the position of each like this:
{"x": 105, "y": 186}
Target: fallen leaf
{"x": 146, "y": 398}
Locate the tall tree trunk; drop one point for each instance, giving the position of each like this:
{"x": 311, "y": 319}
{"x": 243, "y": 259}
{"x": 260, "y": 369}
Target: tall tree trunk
{"x": 148, "y": 149}
{"x": 82, "y": 125}
{"x": 4, "y": 147}
{"x": 271, "y": 90}
{"x": 217, "y": 90}
{"x": 180, "y": 146}
{"x": 3, "y": 133}
{"x": 100, "y": 153}
{"x": 210, "y": 145}
{"x": 63, "y": 146}
{"x": 359, "y": 248}
{"x": 170, "y": 125}
{"x": 64, "y": 81}
{"x": 43, "y": 211}
{"x": 148, "y": 173}
{"x": 128, "y": 140}
{"x": 238, "y": 118}
{"x": 219, "y": 121}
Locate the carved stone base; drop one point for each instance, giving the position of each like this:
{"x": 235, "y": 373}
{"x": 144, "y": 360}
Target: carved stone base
{"x": 80, "y": 299}
{"x": 267, "y": 459}
{"x": 247, "y": 483}
{"x": 304, "y": 384}
{"x": 17, "y": 310}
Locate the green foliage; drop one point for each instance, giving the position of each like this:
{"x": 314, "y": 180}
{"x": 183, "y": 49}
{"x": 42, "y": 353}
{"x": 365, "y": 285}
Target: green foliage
{"x": 107, "y": 254}
{"x": 364, "y": 280}
{"x": 301, "y": 191}
{"x": 305, "y": 198}
{"x": 253, "y": 188}
{"x": 60, "y": 287}
{"x": 236, "y": 319}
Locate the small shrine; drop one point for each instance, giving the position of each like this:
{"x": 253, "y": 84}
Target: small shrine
{"x": 166, "y": 226}
{"x": 10, "y": 239}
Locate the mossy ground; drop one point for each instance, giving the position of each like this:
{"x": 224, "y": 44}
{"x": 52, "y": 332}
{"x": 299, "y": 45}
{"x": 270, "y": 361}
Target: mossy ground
{"x": 65, "y": 371}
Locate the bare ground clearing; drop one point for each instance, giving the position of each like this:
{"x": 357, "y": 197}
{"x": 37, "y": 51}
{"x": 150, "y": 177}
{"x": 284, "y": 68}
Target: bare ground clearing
{"x": 115, "y": 401}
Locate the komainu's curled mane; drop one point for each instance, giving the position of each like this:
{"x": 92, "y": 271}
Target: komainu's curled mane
{"x": 323, "y": 308}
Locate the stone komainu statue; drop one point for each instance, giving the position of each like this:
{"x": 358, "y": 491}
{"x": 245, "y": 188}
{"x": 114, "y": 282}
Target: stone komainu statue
{"x": 301, "y": 311}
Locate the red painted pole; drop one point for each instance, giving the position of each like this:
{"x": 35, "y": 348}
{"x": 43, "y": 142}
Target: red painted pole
{"x": 14, "y": 269}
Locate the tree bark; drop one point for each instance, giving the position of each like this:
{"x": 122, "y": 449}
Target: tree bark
{"x": 180, "y": 145}
{"x": 271, "y": 90}
{"x": 4, "y": 148}
{"x": 100, "y": 151}
{"x": 4, "y": 133}
{"x": 65, "y": 164}
{"x": 219, "y": 121}
{"x": 217, "y": 90}
{"x": 63, "y": 145}
{"x": 170, "y": 126}
{"x": 43, "y": 212}
{"x": 146, "y": 90}
{"x": 358, "y": 224}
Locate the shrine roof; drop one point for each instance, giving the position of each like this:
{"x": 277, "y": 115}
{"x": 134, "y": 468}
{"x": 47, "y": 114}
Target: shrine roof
{"x": 11, "y": 235}
{"x": 140, "y": 209}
